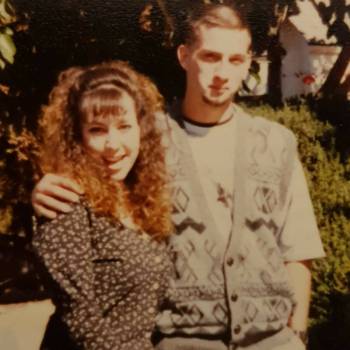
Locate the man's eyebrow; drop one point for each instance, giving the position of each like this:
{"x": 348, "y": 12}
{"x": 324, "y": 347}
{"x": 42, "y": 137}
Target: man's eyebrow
{"x": 241, "y": 55}
{"x": 210, "y": 51}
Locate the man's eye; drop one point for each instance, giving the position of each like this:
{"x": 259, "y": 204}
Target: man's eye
{"x": 237, "y": 60}
{"x": 210, "y": 57}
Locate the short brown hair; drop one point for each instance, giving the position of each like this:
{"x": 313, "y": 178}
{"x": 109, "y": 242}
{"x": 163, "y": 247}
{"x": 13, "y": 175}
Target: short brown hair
{"x": 213, "y": 15}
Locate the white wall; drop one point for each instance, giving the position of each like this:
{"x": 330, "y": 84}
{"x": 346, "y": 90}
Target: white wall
{"x": 305, "y": 67}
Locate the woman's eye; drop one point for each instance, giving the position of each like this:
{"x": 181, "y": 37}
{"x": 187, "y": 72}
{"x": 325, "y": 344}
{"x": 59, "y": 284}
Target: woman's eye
{"x": 124, "y": 127}
{"x": 96, "y": 130}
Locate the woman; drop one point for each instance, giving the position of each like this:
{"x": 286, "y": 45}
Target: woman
{"x": 99, "y": 129}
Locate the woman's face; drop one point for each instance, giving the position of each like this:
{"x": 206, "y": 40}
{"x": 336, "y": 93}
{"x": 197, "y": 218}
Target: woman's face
{"x": 114, "y": 139}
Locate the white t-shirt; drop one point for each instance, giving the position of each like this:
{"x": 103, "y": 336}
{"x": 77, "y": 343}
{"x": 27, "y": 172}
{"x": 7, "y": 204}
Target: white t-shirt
{"x": 213, "y": 153}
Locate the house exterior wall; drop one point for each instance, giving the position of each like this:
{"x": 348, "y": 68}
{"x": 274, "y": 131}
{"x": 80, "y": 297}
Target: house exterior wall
{"x": 305, "y": 67}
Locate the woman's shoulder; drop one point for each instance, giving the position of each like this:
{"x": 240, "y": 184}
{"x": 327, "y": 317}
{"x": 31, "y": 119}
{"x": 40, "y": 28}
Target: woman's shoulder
{"x": 74, "y": 220}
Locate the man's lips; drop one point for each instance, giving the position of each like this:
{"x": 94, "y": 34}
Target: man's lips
{"x": 217, "y": 88}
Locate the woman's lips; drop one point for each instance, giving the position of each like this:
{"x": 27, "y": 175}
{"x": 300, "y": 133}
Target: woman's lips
{"x": 113, "y": 164}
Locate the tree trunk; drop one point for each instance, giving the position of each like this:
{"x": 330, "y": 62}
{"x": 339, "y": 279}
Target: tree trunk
{"x": 275, "y": 53}
{"x": 332, "y": 85}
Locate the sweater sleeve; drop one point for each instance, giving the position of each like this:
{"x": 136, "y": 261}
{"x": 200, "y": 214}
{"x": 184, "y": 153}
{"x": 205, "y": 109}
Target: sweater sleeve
{"x": 64, "y": 245}
{"x": 300, "y": 235}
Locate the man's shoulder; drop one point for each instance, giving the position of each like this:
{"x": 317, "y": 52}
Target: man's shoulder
{"x": 164, "y": 117}
{"x": 167, "y": 120}
{"x": 263, "y": 126}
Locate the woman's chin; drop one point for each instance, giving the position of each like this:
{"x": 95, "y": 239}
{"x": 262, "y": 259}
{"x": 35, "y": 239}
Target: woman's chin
{"x": 119, "y": 175}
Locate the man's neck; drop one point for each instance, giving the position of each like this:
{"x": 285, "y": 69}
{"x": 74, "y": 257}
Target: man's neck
{"x": 202, "y": 112}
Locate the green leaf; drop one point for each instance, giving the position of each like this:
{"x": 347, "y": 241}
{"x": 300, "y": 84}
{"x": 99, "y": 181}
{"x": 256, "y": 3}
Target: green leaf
{"x": 256, "y": 76}
{"x": 7, "y": 48}
{"x": 7, "y": 13}
{"x": 7, "y": 30}
{"x": 2, "y": 64}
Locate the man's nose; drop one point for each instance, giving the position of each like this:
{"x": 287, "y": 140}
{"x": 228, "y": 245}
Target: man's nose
{"x": 222, "y": 73}
{"x": 220, "y": 79}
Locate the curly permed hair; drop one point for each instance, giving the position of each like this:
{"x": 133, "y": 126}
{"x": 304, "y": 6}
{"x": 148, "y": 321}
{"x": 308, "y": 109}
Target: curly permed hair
{"x": 143, "y": 194}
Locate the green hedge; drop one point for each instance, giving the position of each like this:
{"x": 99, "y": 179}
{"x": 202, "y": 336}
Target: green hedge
{"x": 329, "y": 185}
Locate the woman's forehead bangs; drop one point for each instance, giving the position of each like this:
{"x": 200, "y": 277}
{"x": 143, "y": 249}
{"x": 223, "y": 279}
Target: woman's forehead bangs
{"x": 101, "y": 103}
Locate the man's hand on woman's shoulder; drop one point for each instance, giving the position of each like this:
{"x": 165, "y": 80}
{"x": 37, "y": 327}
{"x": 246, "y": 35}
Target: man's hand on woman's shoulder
{"x": 53, "y": 194}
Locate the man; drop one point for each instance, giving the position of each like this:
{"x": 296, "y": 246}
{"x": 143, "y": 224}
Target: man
{"x": 245, "y": 228}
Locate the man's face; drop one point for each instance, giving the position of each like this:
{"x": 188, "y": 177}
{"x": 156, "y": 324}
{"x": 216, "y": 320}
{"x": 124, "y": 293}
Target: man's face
{"x": 216, "y": 64}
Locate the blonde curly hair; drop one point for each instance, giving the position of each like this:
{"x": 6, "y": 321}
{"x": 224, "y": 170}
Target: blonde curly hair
{"x": 143, "y": 194}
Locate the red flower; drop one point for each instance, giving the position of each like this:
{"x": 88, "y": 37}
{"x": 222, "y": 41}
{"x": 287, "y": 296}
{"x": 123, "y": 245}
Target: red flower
{"x": 308, "y": 79}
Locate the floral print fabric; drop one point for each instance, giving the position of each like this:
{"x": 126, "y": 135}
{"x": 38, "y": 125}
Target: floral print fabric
{"x": 112, "y": 279}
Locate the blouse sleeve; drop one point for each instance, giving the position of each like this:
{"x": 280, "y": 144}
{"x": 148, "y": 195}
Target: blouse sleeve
{"x": 64, "y": 245}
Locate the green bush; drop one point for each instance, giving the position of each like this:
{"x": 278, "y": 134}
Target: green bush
{"x": 328, "y": 179}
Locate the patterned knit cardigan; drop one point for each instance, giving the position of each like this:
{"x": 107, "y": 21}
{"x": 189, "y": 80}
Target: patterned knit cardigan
{"x": 241, "y": 287}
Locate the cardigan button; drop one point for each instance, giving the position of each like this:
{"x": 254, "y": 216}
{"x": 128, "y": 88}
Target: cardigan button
{"x": 230, "y": 261}
{"x": 234, "y": 297}
{"x": 237, "y": 329}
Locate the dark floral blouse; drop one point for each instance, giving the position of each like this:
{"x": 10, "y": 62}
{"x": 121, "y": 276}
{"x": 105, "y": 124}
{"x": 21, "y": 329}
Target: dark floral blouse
{"x": 111, "y": 279}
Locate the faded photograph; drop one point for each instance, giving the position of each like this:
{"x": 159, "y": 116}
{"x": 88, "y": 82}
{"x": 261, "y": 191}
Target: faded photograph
{"x": 174, "y": 175}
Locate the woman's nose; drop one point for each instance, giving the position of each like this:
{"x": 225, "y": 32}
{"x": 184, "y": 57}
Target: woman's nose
{"x": 113, "y": 141}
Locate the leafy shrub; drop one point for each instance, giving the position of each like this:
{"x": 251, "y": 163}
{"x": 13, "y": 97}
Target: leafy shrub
{"x": 328, "y": 179}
